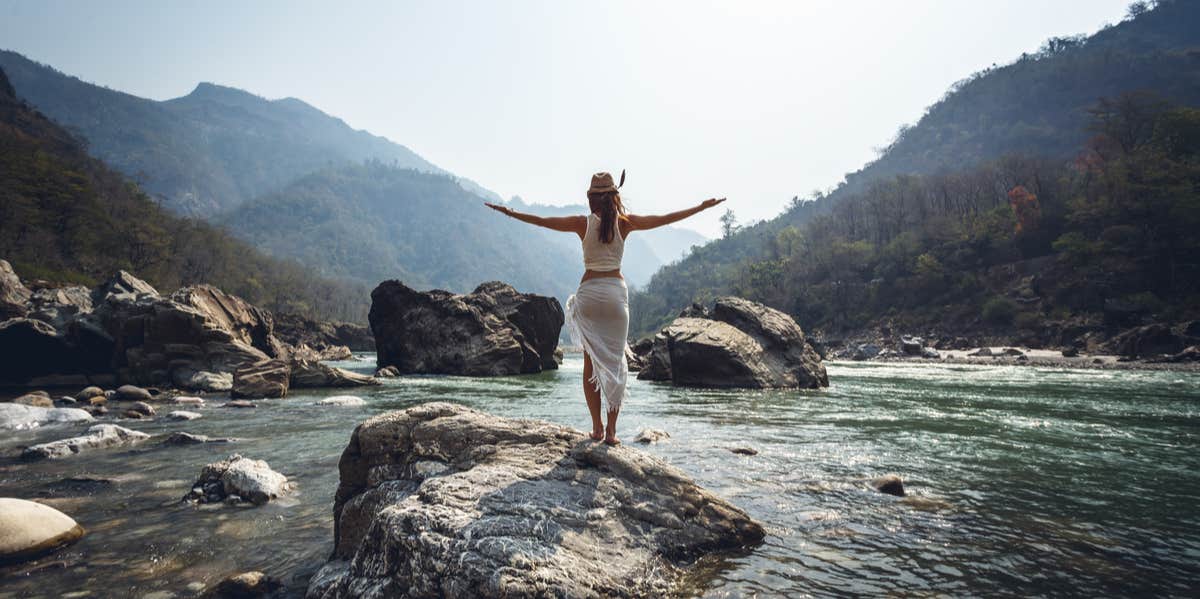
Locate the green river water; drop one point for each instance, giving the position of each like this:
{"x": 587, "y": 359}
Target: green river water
{"x": 1022, "y": 481}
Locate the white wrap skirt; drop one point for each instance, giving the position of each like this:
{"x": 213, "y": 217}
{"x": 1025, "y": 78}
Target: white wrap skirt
{"x": 597, "y": 318}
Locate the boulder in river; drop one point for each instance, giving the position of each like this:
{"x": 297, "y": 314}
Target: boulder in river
{"x": 246, "y": 585}
{"x": 491, "y": 331}
{"x": 1146, "y": 341}
{"x": 99, "y": 436}
{"x": 182, "y": 415}
{"x": 15, "y": 416}
{"x": 29, "y": 530}
{"x": 268, "y": 378}
{"x": 310, "y": 373}
{"x": 740, "y": 344}
{"x": 441, "y": 500}
{"x": 244, "y": 478}
{"x": 651, "y": 435}
{"x": 183, "y": 438}
{"x": 40, "y": 399}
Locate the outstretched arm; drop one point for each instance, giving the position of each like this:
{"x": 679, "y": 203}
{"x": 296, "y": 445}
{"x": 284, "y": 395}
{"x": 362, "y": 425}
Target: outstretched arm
{"x": 566, "y": 224}
{"x": 645, "y": 222}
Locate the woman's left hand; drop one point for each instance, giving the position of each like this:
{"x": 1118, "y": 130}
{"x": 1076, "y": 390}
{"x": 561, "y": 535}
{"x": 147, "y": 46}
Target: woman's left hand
{"x": 505, "y": 210}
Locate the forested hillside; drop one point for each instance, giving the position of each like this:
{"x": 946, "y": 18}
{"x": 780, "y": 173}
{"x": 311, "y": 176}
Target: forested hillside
{"x": 65, "y": 217}
{"x": 948, "y": 178}
{"x": 210, "y": 150}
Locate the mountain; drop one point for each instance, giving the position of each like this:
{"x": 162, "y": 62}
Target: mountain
{"x": 375, "y": 221}
{"x": 1036, "y": 107}
{"x": 645, "y": 251}
{"x": 66, "y": 217}
{"x": 210, "y": 150}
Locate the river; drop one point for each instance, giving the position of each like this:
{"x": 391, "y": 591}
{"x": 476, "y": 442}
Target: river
{"x": 1022, "y": 481}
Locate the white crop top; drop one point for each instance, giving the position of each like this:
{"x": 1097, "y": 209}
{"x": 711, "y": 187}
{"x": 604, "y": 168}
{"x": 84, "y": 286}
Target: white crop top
{"x": 598, "y": 255}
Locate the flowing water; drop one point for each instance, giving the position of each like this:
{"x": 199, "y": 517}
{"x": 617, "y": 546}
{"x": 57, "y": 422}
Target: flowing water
{"x": 1022, "y": 481}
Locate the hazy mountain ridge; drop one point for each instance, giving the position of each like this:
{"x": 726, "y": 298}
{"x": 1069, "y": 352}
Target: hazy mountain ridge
{"x": 210, "y": 150}
{"x": 66, "y": 217}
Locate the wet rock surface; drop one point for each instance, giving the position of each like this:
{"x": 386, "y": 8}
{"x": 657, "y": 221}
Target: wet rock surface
{"x": 491, "y": 331}
{"x": 238, "y": 479}
{"x": 738, "y": 343}
{"x": 29, "y": 530}
{"x": 14, "y": 416}
{"x": 517, "y": 507}
{"x": 100, "y": 436}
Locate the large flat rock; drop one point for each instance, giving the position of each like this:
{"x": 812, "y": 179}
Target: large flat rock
{"x": 15, "y": 416}
{"x": 443, "y": 501}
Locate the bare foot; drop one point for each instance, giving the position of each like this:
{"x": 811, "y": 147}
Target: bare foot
{"x": 596, "y": 436}
{"x": 611, "y": 440}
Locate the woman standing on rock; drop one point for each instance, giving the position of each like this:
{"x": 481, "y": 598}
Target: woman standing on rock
{"x": 597, "y": 316}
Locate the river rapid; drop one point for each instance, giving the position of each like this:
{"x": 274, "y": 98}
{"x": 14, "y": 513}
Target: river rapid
{"x": 1022, "y": 481}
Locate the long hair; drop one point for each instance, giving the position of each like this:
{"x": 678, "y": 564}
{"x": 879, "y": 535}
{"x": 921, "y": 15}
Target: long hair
{"x": 608, "y": 205}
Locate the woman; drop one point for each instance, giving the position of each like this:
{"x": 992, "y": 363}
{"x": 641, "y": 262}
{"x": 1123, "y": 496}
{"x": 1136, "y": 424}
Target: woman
{"x": 597, "y": 316}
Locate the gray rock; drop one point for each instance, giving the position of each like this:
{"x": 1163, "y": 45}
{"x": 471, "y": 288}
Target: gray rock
{"x": 239, "y": 403}
{"x": 187, "y": 400}
{"x": 387, "y": 372}
{"x": 29, "y": 530}
{"x": 930, "y": 353}
{"x": 247, "y": 585}
{"x": 182, "y": 415}
{"x": 132, "y": 393}
{"x": 142, "y": 408}
{"x": 99, "y": 436}
{"x": 182, "y": 438}
{"x": 1144, "y": 341}
{"x": 89, "y": 392}
{"x": 651, "y": 435}
{"x": 39, "y": 399}
{"x": 744, "y": 450}
{"x": 268, "y": 378}
{"x": 201, "y": 380}
{"x": 18, "y": 417}
{"x": 308, "y": 373}
{"x": 59, "y": 306}
{"x": 251, "y": 480}
{"x": 742, "y": 344}
{"x": 911, "y": 346}
{"x": 983, "y": 352}
{"x": 866, "y": 351}
{"x": 342, "y": 400}
{"x": 491, "y": 331}
{"x": 656, "y": 362}
{"x": 441, "y": 500}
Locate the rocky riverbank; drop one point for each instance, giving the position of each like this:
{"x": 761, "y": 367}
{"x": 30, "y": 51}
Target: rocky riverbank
{"x": 124, "y": 331}
{"x": 1144, "y": 347}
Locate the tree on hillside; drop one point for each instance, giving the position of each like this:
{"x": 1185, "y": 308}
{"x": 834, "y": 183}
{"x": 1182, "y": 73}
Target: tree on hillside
{"x": 729, "y": 224}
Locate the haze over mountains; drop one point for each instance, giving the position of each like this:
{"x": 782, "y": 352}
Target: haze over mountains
{"x": 295, "y": 182}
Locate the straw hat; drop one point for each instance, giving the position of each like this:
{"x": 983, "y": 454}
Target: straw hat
{"x": 602, "y": 182}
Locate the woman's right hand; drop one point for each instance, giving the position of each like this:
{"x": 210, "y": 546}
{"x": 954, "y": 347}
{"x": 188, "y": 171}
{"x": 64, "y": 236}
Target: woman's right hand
{"x": 710, "y": 202}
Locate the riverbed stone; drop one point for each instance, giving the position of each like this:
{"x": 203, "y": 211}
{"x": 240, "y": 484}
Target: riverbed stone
{"x": 239, "y": 403}
{"x": 39, "y": 399}
{"x": 29, "y": 530}
{"x": 14, "y": 295}
{"x": 89, "y": 392}
{"x": 651, "y": 435}
{"x": 187, "y": 400}
{"x": 100, "y": 436}
{"x": 492, "y": 331}
{"x": 182, "y": 415}
{"x": 251, "y": 480}
{"x": 142, "y": 408}
{"x": 14, "y": 416}
{"x": 185, "y": 438}
{"x": 387, "y": 372}
{"x": 442, "y": 500}
{"x": 132, "y": 393}
{"x": 246, "y": 585}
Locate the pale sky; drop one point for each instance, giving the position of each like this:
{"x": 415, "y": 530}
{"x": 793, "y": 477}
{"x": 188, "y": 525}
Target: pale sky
{"x": 756, "y": 101}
